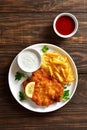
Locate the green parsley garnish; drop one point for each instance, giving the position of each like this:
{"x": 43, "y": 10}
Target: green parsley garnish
{"x": 45, "y": 48}
{"x": 65, "y": 96}
{"x": 21, "y": 96}
{"x": 65, "y": 86}
{"x": 19, "y": 75}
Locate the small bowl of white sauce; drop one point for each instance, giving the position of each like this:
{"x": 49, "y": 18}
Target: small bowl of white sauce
{"x": 29, "y": 60}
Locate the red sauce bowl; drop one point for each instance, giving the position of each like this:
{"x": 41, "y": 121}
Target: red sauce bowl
{"x": 65, "y": 25}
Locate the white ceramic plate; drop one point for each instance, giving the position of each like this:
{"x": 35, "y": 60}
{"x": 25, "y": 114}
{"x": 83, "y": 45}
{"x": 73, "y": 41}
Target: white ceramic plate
{"x": 15, "y": 86}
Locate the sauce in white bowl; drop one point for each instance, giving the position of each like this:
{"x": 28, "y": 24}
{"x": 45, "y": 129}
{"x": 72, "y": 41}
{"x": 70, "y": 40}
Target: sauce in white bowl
{"x": 65, "y": 25}
{"x": 29, "y": 60}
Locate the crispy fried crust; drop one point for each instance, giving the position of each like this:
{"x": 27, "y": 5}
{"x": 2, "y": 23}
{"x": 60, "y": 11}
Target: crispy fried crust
{"x": 47, "y": 89}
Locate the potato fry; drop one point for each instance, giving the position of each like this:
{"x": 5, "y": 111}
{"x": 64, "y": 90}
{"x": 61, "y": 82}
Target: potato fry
{"x": 58, "y": 67}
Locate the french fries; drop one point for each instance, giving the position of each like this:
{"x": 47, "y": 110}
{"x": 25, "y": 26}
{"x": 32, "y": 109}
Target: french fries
{"x": 58, "y": 67}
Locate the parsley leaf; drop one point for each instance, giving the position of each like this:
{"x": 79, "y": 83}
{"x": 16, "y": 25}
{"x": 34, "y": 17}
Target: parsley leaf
{"x": 45, "y": 48}
{"x": 65, "y": 86}
{"x": 21, "y": 96}
{"x": 19, "y": 75}
{"x": 65, "y": 96}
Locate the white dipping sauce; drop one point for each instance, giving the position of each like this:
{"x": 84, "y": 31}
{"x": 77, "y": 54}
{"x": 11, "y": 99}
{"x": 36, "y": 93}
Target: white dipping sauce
{"x": 29, "y": 60}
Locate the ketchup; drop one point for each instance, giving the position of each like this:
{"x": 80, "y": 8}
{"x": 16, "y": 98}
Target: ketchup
{"x": 65, "y": 25}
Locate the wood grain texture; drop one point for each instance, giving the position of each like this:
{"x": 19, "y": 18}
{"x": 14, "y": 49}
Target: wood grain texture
{"x": 37, "y": 27}
{"x": 21, "y": 30}
{"x": 43, "y": 6}
{"x": 27, "y": 22}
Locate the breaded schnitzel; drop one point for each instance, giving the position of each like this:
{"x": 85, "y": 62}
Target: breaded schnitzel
{"x": 47, "y": 89}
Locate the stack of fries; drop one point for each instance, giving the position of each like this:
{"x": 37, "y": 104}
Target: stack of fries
{"x": 58, "y": 67}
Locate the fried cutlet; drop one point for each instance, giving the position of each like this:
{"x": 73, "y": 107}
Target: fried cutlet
{"x": 47, "y": 89}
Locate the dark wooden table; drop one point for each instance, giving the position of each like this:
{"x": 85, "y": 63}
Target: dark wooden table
{"x": 27, "y": 22}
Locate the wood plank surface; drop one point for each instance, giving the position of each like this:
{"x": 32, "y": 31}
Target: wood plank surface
{"x": 19, "y": 31}
{"x": 43, "y": 6}
{"x": 27, "y": 22}
{"x": 34, "y": 28}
